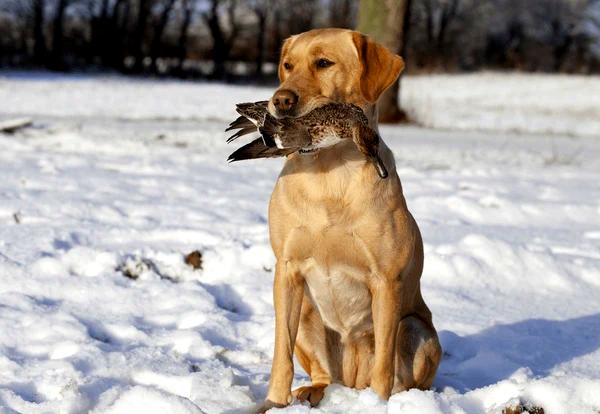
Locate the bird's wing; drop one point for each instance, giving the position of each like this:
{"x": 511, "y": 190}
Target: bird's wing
{"x": 260, "y": 105}
{"x": 270, "y": 131}
{"x": 239, "y": 123}
{"x": 293, "y": 133}
{"x": 241, "y": 132}
{"x": 254, "y": 111}
{"x": 257, "y": 149}
{"x": 285, "y": 133}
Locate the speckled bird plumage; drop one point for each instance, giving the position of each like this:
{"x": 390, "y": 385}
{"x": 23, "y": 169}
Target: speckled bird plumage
{"x": 322, "y": 127}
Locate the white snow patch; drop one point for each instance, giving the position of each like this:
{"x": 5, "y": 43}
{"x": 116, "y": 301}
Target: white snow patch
{"x": 120, "y": 176}
{"x": 151, "y": 401}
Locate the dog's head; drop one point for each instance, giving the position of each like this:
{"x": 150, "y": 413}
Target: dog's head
{"x": 332, "y": 65}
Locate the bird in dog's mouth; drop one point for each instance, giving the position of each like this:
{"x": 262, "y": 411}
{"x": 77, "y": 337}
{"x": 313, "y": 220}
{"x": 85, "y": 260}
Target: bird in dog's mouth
{"x": 322, "y": 127}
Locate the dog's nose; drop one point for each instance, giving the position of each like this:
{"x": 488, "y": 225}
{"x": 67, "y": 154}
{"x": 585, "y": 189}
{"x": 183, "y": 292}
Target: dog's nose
{"x": 285, "y": 100}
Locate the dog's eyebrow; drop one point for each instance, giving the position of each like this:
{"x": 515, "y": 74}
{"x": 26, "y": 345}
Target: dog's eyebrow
{"x": 317, "y": 51}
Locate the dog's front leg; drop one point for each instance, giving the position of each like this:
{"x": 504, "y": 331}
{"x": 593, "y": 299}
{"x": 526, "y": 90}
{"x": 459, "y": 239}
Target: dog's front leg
{"x": 385, "y": 308}
{"x": 288, "y": 292}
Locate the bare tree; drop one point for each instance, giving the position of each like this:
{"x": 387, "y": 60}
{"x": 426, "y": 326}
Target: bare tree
{"x": 261, "y": 9}
{"x": 553, "y": 22}
{"x": 276, "y": 34}
{"x": 39, "y": 39}
{"x": 187, "y": 9}
{"x": 119, "y": 34}
{"x": 301, "y": 15}
{"x": 57, "y": 54}
{"x": 387, "y": 22}
{"x": 139, "y": 35}
{"x": 159, "y": 28}
{"x": 438, "y": 16}
{"x": 342, "y": 13}
{"x": 100, "y": 29}
{"x": 222, "y": 42}
{"x": 14, "y": 31}
{"x": 448, "y": 12}
{"x": 532, "y": 35}
{"x": 589, "y": 32}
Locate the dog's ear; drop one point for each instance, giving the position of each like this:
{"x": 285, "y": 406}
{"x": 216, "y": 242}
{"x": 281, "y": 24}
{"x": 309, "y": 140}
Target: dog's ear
{"x": 284, "y": 50}
{"x": 380, "y": 67}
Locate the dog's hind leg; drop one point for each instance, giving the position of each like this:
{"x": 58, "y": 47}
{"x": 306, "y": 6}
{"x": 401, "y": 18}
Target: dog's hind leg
{"x": 418, "y": 354}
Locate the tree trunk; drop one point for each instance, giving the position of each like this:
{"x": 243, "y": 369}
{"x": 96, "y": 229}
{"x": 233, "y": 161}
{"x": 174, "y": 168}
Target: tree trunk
{"x": 118, "y": 36}
{"x": 39, "y": 39}
{"x": 261, "y": 14}
{"x": 139, "y": 36}
{"x": 276, "y": 35}
{"x": 449, "y": 11}
{"x": 159, "y": 29}
{"x": 183, "y": 35}
{"x": 221, "y": 45}
{"x": 100, "y": 31}
{"x": 57, "y": 58}
{"x": 340, "y": 13}
{"x": 387, "y": 22}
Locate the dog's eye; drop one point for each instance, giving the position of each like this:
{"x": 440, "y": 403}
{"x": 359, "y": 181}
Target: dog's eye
{"x": 288, "y": 66}
{"x": 324, "y": 63}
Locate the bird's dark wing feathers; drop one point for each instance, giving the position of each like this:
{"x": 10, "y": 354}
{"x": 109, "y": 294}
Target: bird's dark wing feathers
{"x": 239, "y": 123}
{"x": 269, "y": 129}
{"x": 248, "y": 111}
{"x": 252, "y": 110}
{"x": 241, "y": 132}
{"x": 257, "y": 149}
{"x": 245, "y": 105}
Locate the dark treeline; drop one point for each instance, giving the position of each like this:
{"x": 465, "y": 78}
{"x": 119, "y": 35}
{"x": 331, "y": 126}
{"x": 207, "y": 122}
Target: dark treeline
{"x": 225, "y": 39}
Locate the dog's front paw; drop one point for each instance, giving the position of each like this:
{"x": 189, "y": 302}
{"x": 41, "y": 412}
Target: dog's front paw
{"x": 382, "y": 383}
{"x": 267, "y": 405}
{"x": 312, "y": 393}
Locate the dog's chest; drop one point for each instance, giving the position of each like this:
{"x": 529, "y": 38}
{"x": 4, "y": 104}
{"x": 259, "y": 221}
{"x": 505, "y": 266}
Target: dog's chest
{"x": 343, "y": 302}
{"x": 337, "y": 236}
{"x": 337, "y": 283}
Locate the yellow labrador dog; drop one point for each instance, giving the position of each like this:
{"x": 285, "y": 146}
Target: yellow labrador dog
{"x": 349, "y": 253}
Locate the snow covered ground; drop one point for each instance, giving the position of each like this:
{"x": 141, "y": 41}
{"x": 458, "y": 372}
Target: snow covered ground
{"x": 125, "y": 177}
{"x": 510, "y": 102}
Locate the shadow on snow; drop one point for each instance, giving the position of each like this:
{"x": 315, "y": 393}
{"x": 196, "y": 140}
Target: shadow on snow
{"x": 494, "y": 354}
